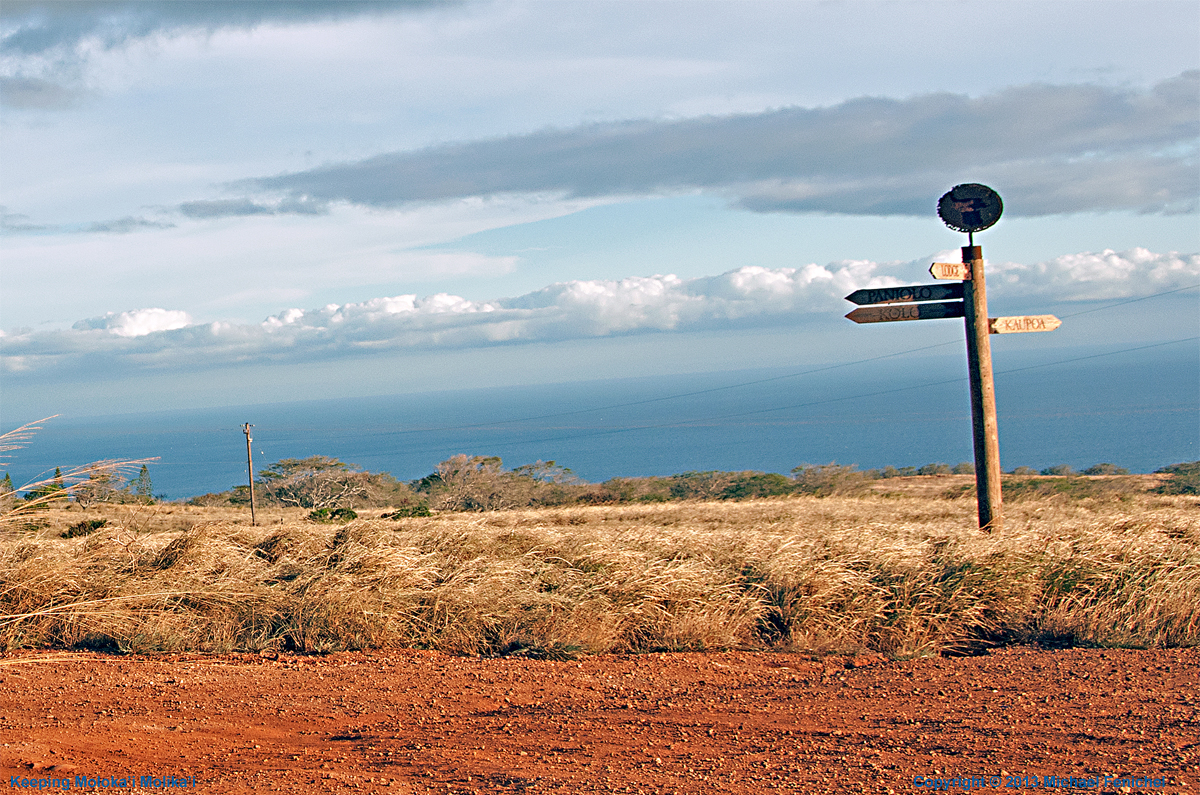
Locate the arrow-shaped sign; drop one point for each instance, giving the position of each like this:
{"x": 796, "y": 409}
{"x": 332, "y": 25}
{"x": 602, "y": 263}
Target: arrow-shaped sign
{"x": 887, "y": 314}
{"x": 950, "y": 270}
{"x": 1019, "y": 324}
{"x": 896, "y": 295}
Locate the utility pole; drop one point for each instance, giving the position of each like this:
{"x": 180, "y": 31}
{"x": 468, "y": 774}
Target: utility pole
{"x": 250, "y": 467}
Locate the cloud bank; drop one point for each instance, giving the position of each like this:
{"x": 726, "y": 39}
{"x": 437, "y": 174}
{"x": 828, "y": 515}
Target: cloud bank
{"x": 1047, "y": 149}
{"x": 54, "y": 37}
{"x": 749, "y": 296}
{"x": 33, "y": 27}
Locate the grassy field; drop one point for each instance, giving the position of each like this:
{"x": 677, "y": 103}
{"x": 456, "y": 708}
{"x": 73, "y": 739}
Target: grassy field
{"x": 903, "y": 571}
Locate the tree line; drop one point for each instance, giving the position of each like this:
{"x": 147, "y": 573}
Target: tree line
{"x": 482, "y": 483}
{"x": 326, "y": 485}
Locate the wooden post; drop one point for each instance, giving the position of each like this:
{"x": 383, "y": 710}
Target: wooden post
{"x": 250, "y": 467}
{"x": 983, "y": 393}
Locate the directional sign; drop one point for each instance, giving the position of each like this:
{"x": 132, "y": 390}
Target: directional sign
{"x": 950, "y": 270}
{"x": 1019, "y": 324}
{"x": 970, "y": 208}
{"x": 887, "y": 314}
{"x": 896, "y": 295}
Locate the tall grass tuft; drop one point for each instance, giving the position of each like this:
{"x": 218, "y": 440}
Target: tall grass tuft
{"x": 904, "y": 576}
{"x": 16, "y": 508}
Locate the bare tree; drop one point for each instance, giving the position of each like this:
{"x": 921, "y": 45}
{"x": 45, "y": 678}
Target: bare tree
{"x": 315, "y": 482}
{"x": 469, "y": 483}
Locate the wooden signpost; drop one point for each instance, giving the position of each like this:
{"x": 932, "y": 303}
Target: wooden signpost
{"x": 966, "y": 208}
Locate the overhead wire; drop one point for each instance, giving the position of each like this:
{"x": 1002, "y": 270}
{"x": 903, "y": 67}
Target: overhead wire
{"x": 772, "y": 379}
{"x": 756, "y": 382}
{"x": 740, "y": 385}
{"x": 743, "y": 384}
{"x": 810, "y": 404}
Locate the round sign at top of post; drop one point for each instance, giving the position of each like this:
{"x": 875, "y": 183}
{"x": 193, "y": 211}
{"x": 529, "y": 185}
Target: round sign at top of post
{"x": 970, "y": 207}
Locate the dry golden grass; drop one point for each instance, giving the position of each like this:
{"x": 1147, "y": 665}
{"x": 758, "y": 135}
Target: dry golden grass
{"x": 895, "y": 574}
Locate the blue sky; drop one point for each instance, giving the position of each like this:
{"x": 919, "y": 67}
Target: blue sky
{"x": 220, "y": 203}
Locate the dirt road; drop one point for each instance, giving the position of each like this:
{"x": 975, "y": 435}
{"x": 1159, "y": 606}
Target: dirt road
{"x": 417, "y": 722}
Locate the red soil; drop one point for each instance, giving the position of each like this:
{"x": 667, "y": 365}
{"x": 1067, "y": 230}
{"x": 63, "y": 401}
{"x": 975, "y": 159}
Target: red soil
{"x": 416, "y": 722}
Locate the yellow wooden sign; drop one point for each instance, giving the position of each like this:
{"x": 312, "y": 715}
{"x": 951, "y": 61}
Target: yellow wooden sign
{"x": 950, "y": 270}
{"x": 1020, "y": 324}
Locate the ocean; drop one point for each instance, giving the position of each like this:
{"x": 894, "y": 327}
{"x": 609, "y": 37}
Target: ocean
{"x": 1080, "y": 407}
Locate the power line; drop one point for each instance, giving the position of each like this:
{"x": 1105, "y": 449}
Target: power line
{"x": 675, "y": 396}
{"x": 689, "y": 423}
{"x": 1133, "y": 300}
{"x": 755, "y": 382}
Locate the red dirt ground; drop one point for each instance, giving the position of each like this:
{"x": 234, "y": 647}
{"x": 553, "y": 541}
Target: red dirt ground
{"x": 415, "y": 722}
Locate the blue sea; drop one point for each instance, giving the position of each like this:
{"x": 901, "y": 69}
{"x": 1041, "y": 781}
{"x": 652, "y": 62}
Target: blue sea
{"x": 1080, "y": 407}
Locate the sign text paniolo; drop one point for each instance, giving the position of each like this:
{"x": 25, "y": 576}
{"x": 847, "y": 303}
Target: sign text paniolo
{"x": 916, "y": 292}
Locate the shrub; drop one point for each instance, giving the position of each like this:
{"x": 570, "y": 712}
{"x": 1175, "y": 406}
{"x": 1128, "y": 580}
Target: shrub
{"x": 50, "y": 492}
{"x": 963, "y": 468}
{"x": 314, "y": 482}
{"x": 747, "y": 485}
{"x": 1182, "y": 479}
{"x": 327, "y": 516}
{"x": 828, "y": 479}
{"x": 1020, "y": 488}
{"x": 1060, "y": 469}
{"x": 84, "y": 527}
{"x": 467, "y": 483}
{"x": 408, "y": 511}
{"x": 700, "y": 485}
{"x": 1106, "y": 469}
{"x": 1025, "y": 471}
{"x": 893, "y": 472}
{"x": 722, "y": 486}
{"x": 934, "y": 469}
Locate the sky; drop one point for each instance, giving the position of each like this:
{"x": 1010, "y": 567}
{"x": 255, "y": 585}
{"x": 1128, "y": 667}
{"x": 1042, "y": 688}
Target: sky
{"x": 222, "y": 203}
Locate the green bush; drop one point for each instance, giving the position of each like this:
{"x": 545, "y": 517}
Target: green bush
{"x": 1060, "y": 469}
{"x": 408, "y": 511}
{"x": 934, "y": 469}
{"x": 327, "y": 516}
{"x": 1183, "y": 478}
{"x": 84, "y": 527}
{"x": 747, "y": 485}
{"x": 1017, "y": 488}
{"x": 1105, "y": 469}
{"x": 825, "y": 480}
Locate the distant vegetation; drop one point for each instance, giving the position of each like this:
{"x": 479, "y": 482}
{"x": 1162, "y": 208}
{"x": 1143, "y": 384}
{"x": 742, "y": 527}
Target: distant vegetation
{"x": 481, "y": 483}
{"x": 1181, "y": 479}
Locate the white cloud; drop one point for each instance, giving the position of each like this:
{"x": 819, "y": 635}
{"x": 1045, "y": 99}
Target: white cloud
{"x": 1095, "y": 276}
{"x": 746, "y": 297}
{"x": 247, "y": 268}
{"x": 137, "y": 322}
